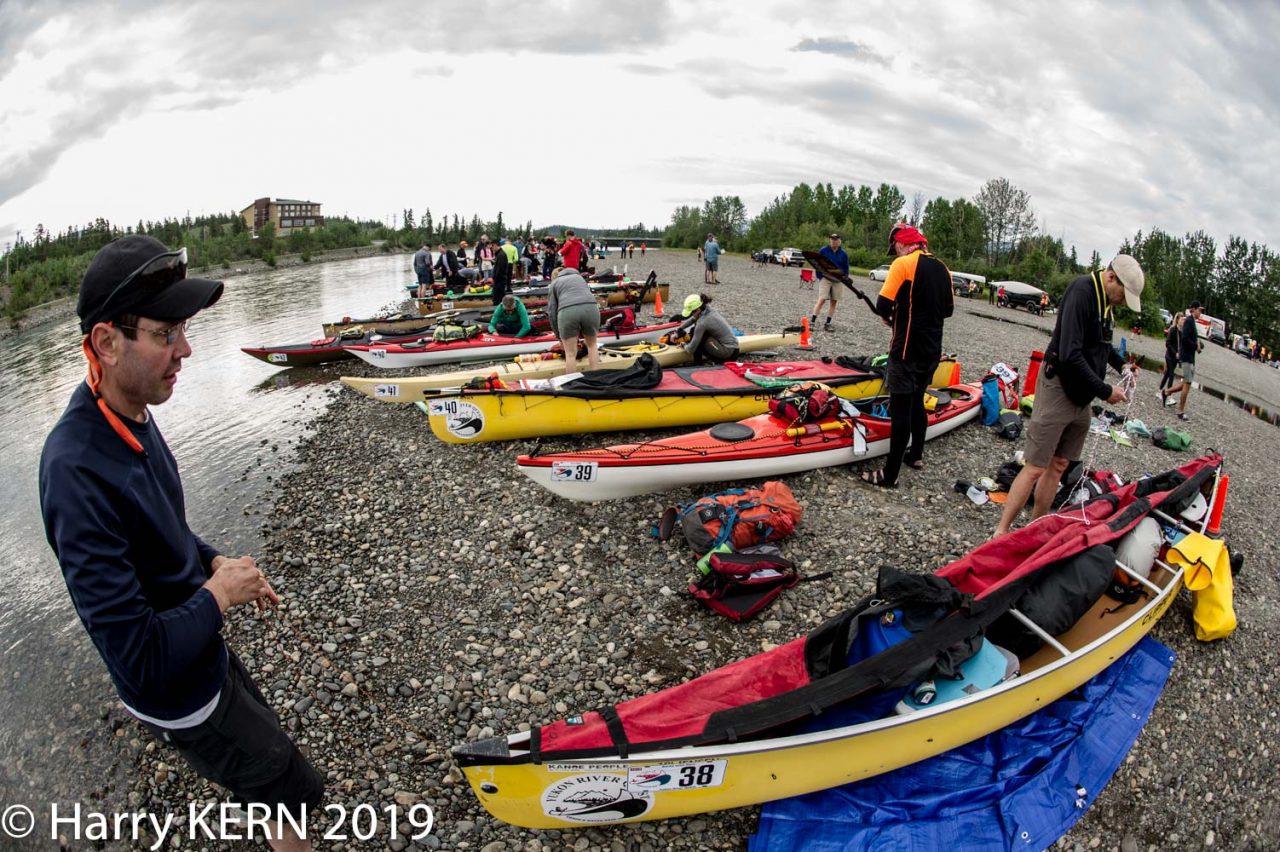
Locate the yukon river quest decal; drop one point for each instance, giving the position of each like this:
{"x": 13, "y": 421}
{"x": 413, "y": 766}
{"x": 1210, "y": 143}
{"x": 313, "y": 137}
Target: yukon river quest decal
{"x": 461, "y": 418}
{"x": 598, "y": 797}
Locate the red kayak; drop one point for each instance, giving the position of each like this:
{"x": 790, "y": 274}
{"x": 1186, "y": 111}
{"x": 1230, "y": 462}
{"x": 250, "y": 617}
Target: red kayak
{"x": 760, "y": 446}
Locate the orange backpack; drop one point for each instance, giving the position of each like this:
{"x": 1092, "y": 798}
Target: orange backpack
{"x": 739, "y": 517}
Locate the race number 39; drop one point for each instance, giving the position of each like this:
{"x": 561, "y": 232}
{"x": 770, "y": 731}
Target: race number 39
{"x": 573, "y": 471}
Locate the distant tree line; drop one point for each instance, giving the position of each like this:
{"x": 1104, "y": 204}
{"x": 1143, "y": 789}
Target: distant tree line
{"x": 995, "y": 234}
{"x": 49, "y": 266}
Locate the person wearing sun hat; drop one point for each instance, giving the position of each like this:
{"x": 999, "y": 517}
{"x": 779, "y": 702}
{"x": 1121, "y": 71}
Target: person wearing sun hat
{"x": 1075, "y": 364}
{"x": 151, "y": 594}
{"x": 707, "y": 335}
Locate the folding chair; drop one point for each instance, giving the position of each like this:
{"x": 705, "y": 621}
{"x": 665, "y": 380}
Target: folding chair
{"x": 806, "y": 278}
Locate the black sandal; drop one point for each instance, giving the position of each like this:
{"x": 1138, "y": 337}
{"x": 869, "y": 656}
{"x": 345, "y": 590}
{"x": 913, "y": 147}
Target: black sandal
{"x": 917, "y": 464}
{"x": 876, "y": 478}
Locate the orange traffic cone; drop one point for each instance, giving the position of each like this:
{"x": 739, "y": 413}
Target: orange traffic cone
{"x": 1219, "y": 502}
{"x": 805, "y": 341}
{"x": 658, "y": 312}
{"x": 955, "y": 374}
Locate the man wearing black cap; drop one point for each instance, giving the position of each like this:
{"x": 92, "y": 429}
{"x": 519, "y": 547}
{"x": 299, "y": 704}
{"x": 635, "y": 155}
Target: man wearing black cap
{"x": 829, "y": 290}
{"x": 1188, "y": 345}
{"x": 149, "y": 591}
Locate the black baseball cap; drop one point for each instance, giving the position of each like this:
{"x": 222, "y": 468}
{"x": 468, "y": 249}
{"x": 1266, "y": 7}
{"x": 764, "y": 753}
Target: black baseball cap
{"x": 140, "y": 275}
{"x": 1194, "y": 304}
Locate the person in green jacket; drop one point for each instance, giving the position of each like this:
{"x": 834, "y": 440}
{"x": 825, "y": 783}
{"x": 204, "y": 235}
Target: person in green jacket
{"x": 510, "y": 317}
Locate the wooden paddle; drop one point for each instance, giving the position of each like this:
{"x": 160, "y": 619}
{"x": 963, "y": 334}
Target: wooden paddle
{"x": 830, "y": 270}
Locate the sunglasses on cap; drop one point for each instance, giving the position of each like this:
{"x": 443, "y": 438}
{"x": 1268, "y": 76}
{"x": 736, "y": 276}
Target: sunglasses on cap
{"x": 156, "y": 274}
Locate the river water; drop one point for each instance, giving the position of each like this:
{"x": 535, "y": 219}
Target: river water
{"x": 230, "y": 424}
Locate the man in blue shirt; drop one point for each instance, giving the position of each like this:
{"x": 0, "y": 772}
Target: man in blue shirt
{"x": 149, "y": 591}
{"x": 711, "y": 253}
{"x": 828, "y": 290}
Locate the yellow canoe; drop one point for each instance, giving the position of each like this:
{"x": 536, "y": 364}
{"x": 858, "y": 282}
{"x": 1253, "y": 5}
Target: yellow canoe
{"x": 691, "y": 396}
{"x": 417, "y": 388}
{"x": 523, "y": 781}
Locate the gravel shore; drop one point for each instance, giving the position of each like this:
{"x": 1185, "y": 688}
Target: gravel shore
{"x": 432, "y": 596}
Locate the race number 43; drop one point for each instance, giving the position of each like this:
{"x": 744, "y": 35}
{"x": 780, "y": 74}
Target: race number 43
{"x": 573, "y": 471}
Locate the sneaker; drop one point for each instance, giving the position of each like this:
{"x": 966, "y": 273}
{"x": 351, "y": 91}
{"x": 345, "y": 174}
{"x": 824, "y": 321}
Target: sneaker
{"x": 1183, "y": 416}
{"x": 1172, "y": 399}
{"x": 813, "y": 320}
{"x": 826, "y": 326}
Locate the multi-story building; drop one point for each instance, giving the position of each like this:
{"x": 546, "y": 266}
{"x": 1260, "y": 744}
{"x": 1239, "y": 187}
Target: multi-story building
{"x": 286, "y": 214}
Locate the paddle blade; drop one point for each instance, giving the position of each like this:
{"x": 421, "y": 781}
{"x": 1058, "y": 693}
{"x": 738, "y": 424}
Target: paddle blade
{"x": 824, "y": 265}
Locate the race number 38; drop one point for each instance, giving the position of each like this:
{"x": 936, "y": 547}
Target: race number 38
{"x": 677, "y": 776}
{"x": 573, "y": 471}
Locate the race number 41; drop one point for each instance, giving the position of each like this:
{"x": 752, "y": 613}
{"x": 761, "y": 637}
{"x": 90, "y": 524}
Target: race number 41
{"x": 573, "y": 471}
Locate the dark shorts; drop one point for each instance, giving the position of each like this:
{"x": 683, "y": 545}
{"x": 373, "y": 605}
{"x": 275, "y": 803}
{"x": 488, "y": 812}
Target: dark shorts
{"x": 243, "y": 748}
{"x": 424, "y": 277}
{"x": 909, "y": 377}
{"x": 713, "y": 265}
{"x": 1058, "y": 426}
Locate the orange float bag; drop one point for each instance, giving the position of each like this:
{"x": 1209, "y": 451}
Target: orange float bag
{"x": 739, "y": 517}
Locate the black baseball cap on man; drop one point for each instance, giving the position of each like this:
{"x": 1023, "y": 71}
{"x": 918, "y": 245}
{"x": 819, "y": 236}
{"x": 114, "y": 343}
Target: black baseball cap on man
{"x": 140, "y": 275}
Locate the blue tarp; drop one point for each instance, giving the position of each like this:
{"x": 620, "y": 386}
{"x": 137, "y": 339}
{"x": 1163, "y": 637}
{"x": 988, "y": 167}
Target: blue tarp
{"x": 1019, "y": 788}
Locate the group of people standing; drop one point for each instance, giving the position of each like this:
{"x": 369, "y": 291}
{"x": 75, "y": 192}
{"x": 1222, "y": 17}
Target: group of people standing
{"x": 503, "y": 262}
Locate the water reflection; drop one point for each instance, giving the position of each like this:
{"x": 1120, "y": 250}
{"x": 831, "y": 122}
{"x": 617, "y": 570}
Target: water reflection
{"x": 229, "y": 423}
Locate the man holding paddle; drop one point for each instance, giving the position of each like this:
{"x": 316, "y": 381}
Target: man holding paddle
{"x": 827, "y": 289}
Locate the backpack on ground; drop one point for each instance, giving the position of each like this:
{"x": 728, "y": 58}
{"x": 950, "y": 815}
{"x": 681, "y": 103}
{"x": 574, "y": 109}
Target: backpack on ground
{"x": 739, "y": 585}
{"x": 1008, "y": 425}
{"x": 448, "y": 332}
{"x": 739, "y": 517}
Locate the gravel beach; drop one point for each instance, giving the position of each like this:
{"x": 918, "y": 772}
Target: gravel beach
{"x": 431, "y": 595}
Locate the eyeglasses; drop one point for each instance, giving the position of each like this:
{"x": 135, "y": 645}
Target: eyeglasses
{"x": 157, "y": 273}
{"x": 170, "y": 334}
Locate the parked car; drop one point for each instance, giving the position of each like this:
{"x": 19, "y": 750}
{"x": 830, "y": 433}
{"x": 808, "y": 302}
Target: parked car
{"x": 1166, "y": 317}
{"x": 1018, "y": 295}
{"x": 963, "y": 286}
{"x": 880, "y": 273}
{"x": 766, "y": 255}
{"x": 790, "y": 257}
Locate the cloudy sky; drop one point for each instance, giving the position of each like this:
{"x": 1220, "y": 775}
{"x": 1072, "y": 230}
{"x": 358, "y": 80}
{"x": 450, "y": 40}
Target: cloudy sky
{"x": 1115, "y": 117}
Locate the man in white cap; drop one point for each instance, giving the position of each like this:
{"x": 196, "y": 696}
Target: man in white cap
{"x": 1075, "y": 363}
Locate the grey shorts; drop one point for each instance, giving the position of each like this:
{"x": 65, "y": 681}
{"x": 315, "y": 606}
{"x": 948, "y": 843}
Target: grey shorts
{"x": 713, "y": 265}
{"x": 830, "y": 290}
{"x": 578, "y": 320}
{"x": 1058, "y": 426}
{"x": 1187, "y": 369}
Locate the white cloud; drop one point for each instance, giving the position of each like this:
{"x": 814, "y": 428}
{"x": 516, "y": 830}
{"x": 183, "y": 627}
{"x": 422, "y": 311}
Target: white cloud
{"x": 1114, "y": 118}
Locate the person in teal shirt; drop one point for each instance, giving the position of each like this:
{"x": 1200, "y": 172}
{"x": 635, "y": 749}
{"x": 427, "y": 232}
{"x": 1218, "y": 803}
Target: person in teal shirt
{"x": 510, "y": 317}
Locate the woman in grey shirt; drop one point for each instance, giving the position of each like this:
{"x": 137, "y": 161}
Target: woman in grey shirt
{"x": 713, "y": 338}
{"x": 574, "y": 311}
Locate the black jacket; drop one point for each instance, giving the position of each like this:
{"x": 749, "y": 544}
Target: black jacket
{"x": 1080, "y": 347}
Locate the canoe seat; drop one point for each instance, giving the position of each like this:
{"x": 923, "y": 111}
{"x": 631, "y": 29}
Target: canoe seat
{"x": 732, "y": 432}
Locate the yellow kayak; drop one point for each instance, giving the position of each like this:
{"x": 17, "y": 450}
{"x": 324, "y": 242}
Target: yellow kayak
{"x": 685, "y": 396}
{"x": 417, "y": 388}
{"x": 751, "y": 731}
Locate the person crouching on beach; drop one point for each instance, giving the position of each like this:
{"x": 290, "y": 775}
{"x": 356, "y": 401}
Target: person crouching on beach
{"x": 710, "y": 337}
